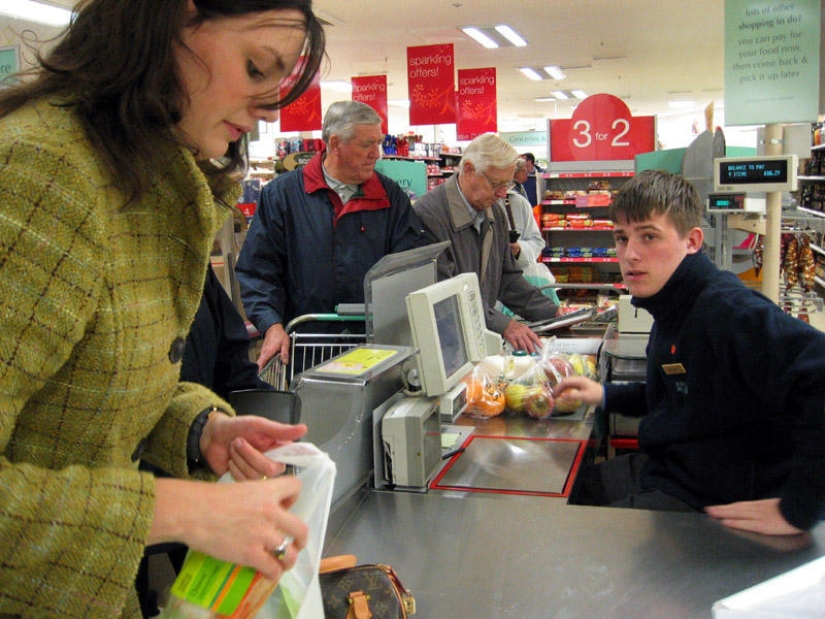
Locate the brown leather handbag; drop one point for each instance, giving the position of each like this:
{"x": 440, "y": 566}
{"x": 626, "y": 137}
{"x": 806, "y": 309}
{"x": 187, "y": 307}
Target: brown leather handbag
{"x": 370, "y": 591}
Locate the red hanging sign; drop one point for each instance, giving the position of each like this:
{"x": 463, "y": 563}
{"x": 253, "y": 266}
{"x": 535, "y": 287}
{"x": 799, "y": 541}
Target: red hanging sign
{"x": 431, "y": 84}
{"x": 303, "y": 114}
{"x": 372, "y": 90}
{"x": 601, "y": 129}
{"x": 477, "y": 103}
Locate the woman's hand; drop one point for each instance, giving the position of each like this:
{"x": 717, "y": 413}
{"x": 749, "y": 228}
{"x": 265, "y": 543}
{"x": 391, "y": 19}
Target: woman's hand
{"x": 237, "y": 444}
{"x": 239, "y": 522}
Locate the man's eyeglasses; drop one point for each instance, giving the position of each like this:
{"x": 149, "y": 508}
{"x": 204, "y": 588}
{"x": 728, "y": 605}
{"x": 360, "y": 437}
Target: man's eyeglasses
{"x": 495, "y": 186}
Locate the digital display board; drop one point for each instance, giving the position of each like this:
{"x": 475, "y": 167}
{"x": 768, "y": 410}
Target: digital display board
{"x": 726, "y": 202}
{"x": 769, "y": 173}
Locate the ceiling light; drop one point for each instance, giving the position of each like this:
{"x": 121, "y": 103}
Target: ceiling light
{"x": 337, "y": 86}
{"x": 511, "y": 35}
{"x": 555, "y": 72}
{"x": 579, "y": 94}
{"x": 478, "y": 36}
{"x": 559, "y": 94}
{"x": 530, "y": 73}
{"x": 399, "y": 102}
{"x": 37, "y": 12}
{"x": 544, "y": 99}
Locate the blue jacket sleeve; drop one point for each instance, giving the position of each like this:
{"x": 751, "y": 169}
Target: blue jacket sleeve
{"x": 261, "y": 265}
{"x": 629, "y": 399}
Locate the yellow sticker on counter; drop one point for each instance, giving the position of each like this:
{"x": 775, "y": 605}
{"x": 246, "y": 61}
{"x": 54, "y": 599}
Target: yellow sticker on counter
{"x": 672, "y": 369}
{"x": 357, "y": 361}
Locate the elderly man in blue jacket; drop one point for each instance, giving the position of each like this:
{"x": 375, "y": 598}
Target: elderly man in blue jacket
{"x": 318, "y": 230}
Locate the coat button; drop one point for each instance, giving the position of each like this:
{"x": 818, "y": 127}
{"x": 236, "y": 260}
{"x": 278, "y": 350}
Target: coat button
{"x": 176, "y": 350}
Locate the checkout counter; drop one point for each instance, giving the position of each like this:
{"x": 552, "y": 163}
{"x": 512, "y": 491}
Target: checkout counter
{"x": 494, "y": 533}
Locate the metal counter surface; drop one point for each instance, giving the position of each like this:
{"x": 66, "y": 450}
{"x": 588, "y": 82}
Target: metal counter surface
{"x": 483, "y": 556}
{"x": 476, "y": 555}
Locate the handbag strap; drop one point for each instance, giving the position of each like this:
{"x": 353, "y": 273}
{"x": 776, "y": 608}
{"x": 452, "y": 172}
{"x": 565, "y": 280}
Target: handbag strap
{"x": 509, "y": 210}
{"x": 337, "y": 562}
{"x": 359, "y": 606}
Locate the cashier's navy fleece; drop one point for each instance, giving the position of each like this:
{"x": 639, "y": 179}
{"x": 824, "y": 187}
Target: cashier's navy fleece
{"x": 734, "y": 403}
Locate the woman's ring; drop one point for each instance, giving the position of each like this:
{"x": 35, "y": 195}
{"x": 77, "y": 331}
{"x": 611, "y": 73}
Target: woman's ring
{"x": 280, "y": 552}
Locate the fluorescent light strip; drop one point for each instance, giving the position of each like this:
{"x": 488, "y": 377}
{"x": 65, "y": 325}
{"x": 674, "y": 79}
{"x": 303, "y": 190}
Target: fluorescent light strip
{"x": 530, "y": 73}
{"x": 555, "y": 72}
{"x": 579, "y": 94}
{"x": 559, "y": 94}
{"x": 399, "y": 102}
{"x": 480, "y": 37}
{"x": 37, "y": 12}
{"x": 511, "y": 35}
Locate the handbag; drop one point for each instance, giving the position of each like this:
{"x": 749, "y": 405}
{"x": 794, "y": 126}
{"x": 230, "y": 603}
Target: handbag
{"x": 370, "y": 591}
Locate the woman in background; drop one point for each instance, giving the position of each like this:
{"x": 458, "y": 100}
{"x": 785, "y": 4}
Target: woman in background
{"x": 118, "y": 163}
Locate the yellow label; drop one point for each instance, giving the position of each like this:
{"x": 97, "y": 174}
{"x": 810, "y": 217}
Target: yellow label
{"x": 357, "y": 361}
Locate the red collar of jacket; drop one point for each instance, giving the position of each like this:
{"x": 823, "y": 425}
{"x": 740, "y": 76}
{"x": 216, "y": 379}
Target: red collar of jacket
{"x": 373, "y": 196}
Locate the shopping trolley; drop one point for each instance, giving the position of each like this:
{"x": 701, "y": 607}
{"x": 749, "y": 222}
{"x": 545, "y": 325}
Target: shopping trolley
{"x": 308, "y": 349}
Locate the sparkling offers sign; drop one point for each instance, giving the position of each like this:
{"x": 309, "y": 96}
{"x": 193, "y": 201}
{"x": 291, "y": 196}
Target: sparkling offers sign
{"x": 602, "y": 129}
{"x": 372, "y": 90}
{"x": 303, "y": 114}
{"x": 431, "y": 84}
{"x": 477, "y": 104}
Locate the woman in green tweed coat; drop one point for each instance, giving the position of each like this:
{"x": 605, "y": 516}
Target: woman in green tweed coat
{"x": 117, "y": 160}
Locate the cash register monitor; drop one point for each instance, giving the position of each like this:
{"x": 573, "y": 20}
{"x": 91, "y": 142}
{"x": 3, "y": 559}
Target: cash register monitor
{"x": 449, "y": 330}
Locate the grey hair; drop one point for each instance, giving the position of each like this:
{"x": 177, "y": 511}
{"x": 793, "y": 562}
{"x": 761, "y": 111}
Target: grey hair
{"x": 342, "y": 116}
{"x": 488, "y": 151}
{"x": 521, "y": 164}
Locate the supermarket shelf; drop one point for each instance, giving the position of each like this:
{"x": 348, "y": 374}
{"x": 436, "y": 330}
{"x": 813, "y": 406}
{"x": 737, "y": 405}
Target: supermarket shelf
{"x": 596, "y": 174}
{"x": 817, "y": 249}
{"x": 571, "y": 203}
{"x": 579, "y": 229}
{"x": 819, "y": 281}
{"x": 580, "y": 260}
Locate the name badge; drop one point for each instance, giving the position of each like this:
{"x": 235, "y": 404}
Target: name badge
{"x": 672, "y": 369}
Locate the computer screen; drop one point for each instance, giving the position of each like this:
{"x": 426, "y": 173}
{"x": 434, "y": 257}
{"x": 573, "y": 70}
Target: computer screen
{"x": 449, "y": 330}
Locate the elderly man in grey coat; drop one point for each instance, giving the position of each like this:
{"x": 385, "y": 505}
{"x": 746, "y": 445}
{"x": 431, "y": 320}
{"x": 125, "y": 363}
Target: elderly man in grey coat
{"x": 467, "y": 211}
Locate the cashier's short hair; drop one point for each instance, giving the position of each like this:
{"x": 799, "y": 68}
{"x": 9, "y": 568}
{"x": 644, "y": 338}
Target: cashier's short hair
{"x": 656, "y": 192}
{"x": 342, "y": 116}
{"x": 488, "y": 151}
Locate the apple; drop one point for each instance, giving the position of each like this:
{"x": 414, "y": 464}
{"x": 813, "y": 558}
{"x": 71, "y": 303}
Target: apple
{"x": 539, "y": 402}
{"x": 566, "y": 406}
{"x": 514, "y": 396}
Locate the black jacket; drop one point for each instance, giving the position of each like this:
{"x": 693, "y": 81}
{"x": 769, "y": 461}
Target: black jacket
{"x": 734, "y": 404}
{"x": 217, "y": 347}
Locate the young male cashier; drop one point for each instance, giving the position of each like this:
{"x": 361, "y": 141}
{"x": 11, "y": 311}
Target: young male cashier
{"x": 733, "y": 408}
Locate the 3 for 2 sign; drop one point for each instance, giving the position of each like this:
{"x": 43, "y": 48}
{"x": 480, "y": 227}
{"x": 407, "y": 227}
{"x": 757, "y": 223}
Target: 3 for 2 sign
{"x": 602, "y": 129}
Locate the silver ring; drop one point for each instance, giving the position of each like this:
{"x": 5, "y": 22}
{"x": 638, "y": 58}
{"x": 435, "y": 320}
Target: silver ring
{"x": 280, "y": 552}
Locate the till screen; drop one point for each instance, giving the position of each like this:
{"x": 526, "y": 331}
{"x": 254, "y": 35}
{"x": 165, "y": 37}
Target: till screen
{"x": 450, "y": 334}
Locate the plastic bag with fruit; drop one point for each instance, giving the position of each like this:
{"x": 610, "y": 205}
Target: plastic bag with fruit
{"x": 530, "y": 393}
{"x": 485, "y": 392}
{"x": 556, "y": 365}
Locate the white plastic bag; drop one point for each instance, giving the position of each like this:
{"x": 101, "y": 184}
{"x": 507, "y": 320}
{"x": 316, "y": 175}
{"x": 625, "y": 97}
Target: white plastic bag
{"x": 210, "y": 589}
{"x": 298, "y": 595}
